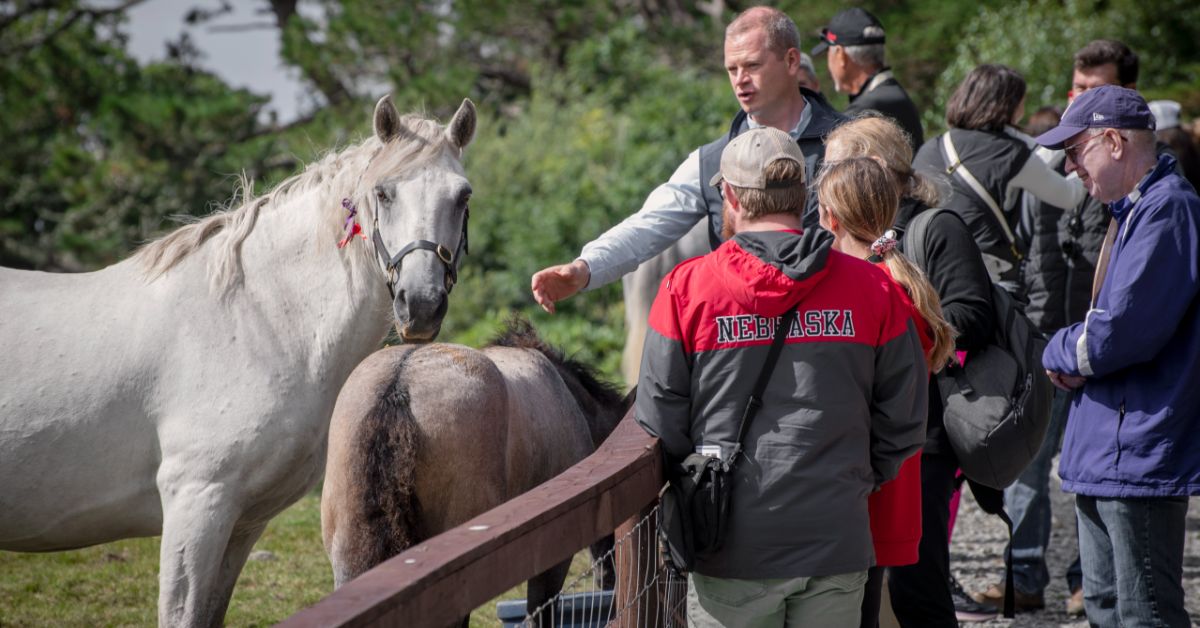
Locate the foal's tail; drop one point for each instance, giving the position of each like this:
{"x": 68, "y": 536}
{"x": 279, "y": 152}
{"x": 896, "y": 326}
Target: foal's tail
{"x": 386, "y": 517}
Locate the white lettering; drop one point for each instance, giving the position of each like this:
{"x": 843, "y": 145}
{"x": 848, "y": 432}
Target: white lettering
{"x": 819, "y": 323}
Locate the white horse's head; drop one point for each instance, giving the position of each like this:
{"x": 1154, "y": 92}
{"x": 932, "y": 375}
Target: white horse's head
{"x": 419, "y": 201}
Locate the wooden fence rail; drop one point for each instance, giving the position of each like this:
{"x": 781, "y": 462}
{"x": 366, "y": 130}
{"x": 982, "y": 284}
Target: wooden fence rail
{"x": 440, "y": 581}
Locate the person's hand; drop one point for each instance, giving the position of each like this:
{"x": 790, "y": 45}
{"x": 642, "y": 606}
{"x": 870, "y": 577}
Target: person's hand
{"x": 1064, "y": 381}
{"x": 559, "y": 282}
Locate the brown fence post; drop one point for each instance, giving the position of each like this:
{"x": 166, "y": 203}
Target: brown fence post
{"x": 636, "y": 597}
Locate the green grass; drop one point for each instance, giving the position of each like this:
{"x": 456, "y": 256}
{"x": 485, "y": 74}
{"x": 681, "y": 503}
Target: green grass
{"x": 117, "y": 584}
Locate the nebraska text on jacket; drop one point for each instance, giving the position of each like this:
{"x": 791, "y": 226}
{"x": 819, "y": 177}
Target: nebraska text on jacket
{"x": 818, "y": 323}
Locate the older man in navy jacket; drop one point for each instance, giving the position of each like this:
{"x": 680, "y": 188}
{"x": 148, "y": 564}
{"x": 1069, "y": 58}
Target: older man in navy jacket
{"x": 1129, "y": 451}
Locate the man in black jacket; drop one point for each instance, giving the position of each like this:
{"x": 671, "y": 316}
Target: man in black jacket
{"x": 854, "y": 39}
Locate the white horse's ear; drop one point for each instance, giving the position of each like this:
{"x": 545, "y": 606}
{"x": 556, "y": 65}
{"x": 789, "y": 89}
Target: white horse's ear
{"x": 387, "y": 119}
{"x": 462, "y": 127}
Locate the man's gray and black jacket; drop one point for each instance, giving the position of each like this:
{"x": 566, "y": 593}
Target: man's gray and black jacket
{"x": 674, "y": 207}
{"x": 844, "y": 407}
{"x": 812, "y": 143}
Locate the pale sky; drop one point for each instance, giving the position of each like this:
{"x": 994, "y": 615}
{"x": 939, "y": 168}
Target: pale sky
{"x": 247, "y": 59}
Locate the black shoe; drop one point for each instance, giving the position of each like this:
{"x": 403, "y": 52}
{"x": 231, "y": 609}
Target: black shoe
{"x": 966, "y": 609}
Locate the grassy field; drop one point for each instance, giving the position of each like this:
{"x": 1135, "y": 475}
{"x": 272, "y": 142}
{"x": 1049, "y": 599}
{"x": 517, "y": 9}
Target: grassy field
{"x": 117, "y": 584}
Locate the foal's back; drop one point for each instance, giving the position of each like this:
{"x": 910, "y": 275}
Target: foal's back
{"x": 425, "y": 437}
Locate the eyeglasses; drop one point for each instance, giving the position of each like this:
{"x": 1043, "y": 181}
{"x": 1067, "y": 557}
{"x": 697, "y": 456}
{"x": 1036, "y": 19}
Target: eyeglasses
{"x": 1073, "y": 150}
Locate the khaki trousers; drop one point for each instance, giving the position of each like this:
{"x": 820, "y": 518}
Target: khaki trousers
{"x": 827, "y": 601}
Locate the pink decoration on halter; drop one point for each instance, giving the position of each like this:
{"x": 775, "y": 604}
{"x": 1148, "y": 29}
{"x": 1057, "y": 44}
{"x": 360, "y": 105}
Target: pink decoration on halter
{"x": 352, "y": 226}
{"x": 885, "y": 243}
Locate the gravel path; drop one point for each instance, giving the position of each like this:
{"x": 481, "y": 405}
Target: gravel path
{"x": 976, "y": 557}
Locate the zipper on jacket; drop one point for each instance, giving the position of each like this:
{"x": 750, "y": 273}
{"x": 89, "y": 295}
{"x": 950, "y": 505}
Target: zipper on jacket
{"x": 1120, "y": 422}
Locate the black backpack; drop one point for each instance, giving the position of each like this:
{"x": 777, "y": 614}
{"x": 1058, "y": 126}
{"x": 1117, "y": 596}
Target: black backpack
{"x": 997, "y": 405}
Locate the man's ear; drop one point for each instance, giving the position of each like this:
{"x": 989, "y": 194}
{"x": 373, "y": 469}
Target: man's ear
{"x": 792, "y": 59}
{"x": 1118, "y": 145}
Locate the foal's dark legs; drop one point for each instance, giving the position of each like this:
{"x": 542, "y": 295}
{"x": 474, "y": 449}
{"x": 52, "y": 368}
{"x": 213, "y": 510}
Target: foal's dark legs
{"x": 602, "y": 558}
{"x": 543, "y": 588}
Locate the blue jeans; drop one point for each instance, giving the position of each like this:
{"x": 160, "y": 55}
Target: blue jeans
{"x": 1132, "y": 552}
{"x": 1028, "y": 503}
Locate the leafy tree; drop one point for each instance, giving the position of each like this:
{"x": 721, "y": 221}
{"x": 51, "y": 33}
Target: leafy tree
{"x": 99, "y": 150}
{"x": 1039, "y": 38}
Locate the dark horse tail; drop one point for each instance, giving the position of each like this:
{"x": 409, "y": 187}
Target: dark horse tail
{"x": 386, "y": 462}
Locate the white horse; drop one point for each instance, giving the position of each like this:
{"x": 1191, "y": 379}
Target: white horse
{"x": 187, "y": 390}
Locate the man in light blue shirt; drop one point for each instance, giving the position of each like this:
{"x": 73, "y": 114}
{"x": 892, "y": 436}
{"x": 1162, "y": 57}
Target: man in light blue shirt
{"x": 763, "y": 60}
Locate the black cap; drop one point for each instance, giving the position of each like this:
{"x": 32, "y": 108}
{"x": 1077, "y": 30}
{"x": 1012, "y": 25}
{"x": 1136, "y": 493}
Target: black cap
{"x": 846, "y": 29}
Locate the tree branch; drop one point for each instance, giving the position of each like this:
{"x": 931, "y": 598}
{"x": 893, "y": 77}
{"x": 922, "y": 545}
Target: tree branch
{"x": 508, "y": 76}
{"x": 238, "y": 28}
{"x": 71, "y": 19}
{"x": 27, "y": 10}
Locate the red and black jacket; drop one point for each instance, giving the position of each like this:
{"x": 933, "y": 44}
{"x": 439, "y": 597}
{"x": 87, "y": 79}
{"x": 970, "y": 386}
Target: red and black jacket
{"x": 844, "y": 408}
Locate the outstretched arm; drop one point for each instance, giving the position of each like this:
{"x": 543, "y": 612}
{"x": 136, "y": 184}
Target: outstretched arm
{"x": 670, "y": 211}
{"x": 559, "y": 282}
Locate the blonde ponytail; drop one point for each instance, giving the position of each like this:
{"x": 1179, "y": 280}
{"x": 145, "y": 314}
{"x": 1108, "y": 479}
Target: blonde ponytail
{"x": 864, "y": 199}
{"x": 928, "y": 305}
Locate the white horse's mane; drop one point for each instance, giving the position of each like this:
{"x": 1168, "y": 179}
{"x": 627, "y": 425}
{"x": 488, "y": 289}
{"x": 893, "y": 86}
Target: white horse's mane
{"x": 347, "y": 174}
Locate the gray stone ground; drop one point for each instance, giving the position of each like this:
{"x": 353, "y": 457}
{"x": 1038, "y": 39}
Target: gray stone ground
{"x": 976, "y": 557}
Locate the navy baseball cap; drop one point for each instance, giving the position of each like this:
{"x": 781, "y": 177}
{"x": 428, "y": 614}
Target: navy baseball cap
{"x": 848, "y": 28}
{"x": 1104, "y": 107}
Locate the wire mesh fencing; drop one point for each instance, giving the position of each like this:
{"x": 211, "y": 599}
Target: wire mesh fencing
{"x": 626, "y": 584}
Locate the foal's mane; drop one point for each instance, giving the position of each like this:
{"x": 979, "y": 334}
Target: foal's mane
{"x": 593, "y": 394}
{"x": 349, "y": 173}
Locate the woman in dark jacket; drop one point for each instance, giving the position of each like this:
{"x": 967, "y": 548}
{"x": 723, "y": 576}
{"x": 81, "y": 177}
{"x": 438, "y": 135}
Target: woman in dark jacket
{"x": 920, "y": 592}
{"x": 983, "y": 161}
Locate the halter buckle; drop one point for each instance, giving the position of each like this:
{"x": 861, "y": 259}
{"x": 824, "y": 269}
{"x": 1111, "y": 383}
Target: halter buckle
{"x": 444, "y": 254}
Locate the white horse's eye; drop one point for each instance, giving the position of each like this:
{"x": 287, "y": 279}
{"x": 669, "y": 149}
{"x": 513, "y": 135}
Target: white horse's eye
{"x": 382, "y": 194}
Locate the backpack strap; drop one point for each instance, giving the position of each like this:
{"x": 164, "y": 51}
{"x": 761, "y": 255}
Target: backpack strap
{"x": 991, "y": 501}
{"x": 915, "y": 236}
{"x": 954, "y": 165}
{"x": 760, "y": 385}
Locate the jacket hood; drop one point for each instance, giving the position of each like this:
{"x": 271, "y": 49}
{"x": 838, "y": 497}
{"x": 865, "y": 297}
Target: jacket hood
{"x": 770, "y": 271}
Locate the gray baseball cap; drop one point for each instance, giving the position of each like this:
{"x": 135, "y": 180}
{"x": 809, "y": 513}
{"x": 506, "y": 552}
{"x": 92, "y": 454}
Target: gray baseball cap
{"x": 745, "y": 159}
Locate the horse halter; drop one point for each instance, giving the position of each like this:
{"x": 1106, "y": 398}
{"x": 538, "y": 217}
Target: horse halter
{"x": 391, "y": 263}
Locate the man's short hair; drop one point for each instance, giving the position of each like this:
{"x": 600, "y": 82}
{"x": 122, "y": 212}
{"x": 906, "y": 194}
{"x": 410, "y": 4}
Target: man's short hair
{"x": 806, "y": 63}
{"x": 757, "y": 203}
{"x": 1104, "y": 51}
{"x": 780, "y": 30}
{"x": 870, "y": 57}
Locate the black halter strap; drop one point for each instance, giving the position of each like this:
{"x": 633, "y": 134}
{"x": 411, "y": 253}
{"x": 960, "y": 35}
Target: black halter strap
{"x": 391, "y": 263}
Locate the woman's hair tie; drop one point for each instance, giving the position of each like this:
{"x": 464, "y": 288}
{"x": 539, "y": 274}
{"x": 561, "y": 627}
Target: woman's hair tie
{"x": 885, "y": 243}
